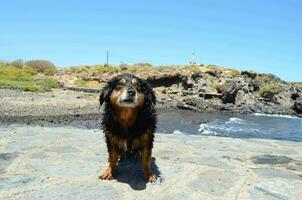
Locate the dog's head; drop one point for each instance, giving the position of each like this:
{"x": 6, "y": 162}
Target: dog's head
{"x": 127, "y": 91}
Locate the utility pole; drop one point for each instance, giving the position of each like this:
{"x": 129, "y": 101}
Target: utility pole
{"x": 107, "y": 58}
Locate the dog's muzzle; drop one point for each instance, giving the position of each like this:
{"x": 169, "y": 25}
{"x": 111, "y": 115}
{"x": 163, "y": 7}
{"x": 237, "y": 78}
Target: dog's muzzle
{"x": 130, "y": 97}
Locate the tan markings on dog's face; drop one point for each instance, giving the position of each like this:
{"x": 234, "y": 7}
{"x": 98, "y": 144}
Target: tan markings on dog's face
{"x": 134, "y": 82}
{"x": 120, "y": 95}
{"x": 125, "y": 105}
{"x": 117, "y": 94}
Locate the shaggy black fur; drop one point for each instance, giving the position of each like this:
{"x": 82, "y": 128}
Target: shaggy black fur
{"x": 146, "y": 118}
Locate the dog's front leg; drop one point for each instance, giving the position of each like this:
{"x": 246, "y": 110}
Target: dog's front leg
{"x": 146, "y": 164}
{"x": 113, "y": 159}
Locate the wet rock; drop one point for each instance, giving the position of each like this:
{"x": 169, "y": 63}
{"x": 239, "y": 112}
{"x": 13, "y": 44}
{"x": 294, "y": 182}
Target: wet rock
{"x": 183, "y": 106}
{"x": 271, "y": 159}
{"x": 6, "y": 159}
{"x": 273, "y": 173}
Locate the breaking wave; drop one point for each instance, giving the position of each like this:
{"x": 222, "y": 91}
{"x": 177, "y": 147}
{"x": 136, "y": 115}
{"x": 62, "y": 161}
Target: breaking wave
{"x": 276, "y": 115}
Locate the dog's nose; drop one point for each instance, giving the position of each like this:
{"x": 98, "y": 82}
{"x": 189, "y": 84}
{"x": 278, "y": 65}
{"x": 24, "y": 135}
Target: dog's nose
{"x": 131, "y": 92}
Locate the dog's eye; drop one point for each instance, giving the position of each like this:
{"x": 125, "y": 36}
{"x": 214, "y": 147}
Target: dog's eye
{"x": 120, "y": 85}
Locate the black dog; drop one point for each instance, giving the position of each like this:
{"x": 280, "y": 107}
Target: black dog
{"x": 129, "y": 121}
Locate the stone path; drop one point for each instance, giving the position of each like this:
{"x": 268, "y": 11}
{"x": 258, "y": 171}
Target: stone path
{"x": 64, "y": 163}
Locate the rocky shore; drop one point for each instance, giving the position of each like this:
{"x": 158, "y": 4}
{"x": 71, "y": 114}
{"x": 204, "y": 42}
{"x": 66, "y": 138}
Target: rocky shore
{"x": 206, "y": 89}
{"x": 47, "y": 152}
{"x": 74, "y": 91}
{"x": 61, "y": 107}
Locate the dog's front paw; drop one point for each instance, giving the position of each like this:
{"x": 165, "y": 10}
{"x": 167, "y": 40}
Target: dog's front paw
{"x": 151, "y": 178}
{"x": 106, "y": 176}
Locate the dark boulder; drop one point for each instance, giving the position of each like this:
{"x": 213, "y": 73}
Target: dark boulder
{"x": 229, "y": 96}
{"x": 298, "y": 106}
{"x": 196, "y": 76}
{"x": 187, "y": 83}
{"x": 228, "y": 92}
{"x": 209, "y": 95}
{"x": 294, "y": 96}
{"x": 249, "y": 74}
{"x": 166, "y": 81}
{"x": 214, "y": 73}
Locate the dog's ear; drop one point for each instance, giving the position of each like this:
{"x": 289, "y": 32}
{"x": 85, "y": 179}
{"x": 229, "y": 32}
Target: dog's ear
{"x": 152, "y": 95}
{"x": 106, "y": 91}
{"x": 104, "y": 94}
{"x": 148, "y": 92}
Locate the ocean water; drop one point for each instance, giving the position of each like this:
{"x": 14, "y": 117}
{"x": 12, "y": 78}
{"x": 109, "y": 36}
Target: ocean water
{"x": 280, "y": 127}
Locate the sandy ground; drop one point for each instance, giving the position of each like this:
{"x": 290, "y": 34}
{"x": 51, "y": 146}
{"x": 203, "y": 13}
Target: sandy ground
{"x": 56, "y": 107}
{"x": 15, "y": 103}
{"x": 64, "y": 163}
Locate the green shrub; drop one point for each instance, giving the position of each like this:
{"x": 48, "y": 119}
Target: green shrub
{"x": 263, "y": 79}
{"x": 106, "y": 69}
{"x": 270, "y": 90}
{"x": 23, "y": 85}
{"x": 33, "y": 88}
{"x": 234, "y": 73}
{"x": 142, "y": 65}
{"x": 94, "y": 68}
{"x": 17, "y": 74}
{"x": 161, "y": 68}
{"x": 192, "y": 68}
{"x": 42, "y": 66}
{"x": 2, "y": 63}
{"x": 17, "y": 63}
{"x": 79, "y": 69}
{"x": 16, "y": 78}
{"x": 296, "y": 84}
{"x": 215, "y": 67}
{"x": 48, "y": 82}
{"x": 80, "y": 83}
{"x": 215, "y": 85}
{"x": 139, "y": 66}
{"x": 123, "y": 67}
{"x": 165, "y": 68}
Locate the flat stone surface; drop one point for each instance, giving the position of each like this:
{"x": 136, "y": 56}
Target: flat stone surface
{"x": 65, "y": 162}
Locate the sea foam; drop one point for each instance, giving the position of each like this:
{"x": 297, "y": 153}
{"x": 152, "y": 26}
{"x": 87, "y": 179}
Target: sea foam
{"x": 276, "y": 115}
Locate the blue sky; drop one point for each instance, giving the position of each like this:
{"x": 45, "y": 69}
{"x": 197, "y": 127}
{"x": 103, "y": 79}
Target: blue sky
{"x": 259, "y": 35}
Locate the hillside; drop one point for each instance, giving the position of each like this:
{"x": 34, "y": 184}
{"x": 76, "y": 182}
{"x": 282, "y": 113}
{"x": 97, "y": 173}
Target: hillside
{"x": 192, "y": 87}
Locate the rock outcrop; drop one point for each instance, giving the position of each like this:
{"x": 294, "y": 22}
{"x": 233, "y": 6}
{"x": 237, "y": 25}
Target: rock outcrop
{"x": 209, "y": 88}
